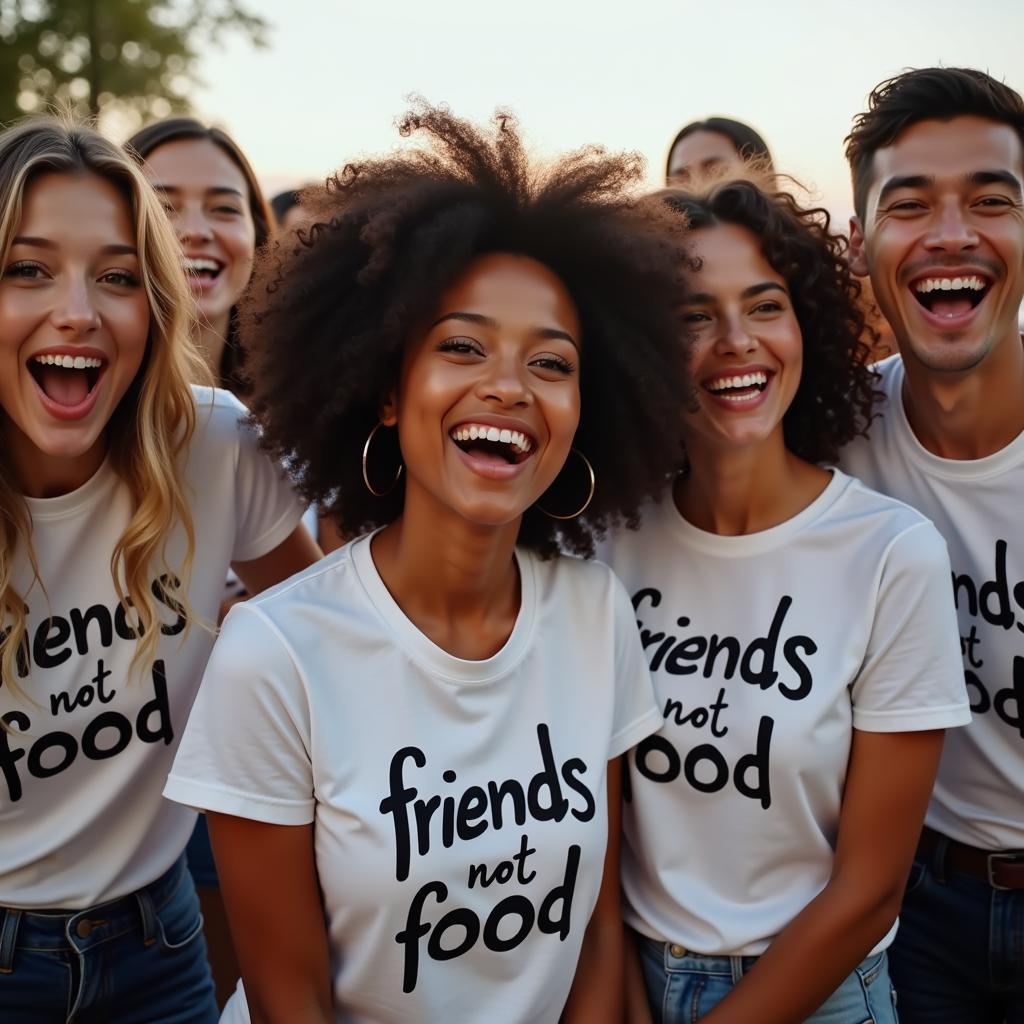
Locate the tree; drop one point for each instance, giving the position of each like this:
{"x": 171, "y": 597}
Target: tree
{"x": 136, "y": 57}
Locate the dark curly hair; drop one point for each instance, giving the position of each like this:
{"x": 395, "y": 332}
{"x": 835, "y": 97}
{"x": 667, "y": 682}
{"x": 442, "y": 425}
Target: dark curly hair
{"x": 232, "y": 372}
{"x": 924, "y": 94}
{"x": 834, "y": 401}
{"x": 328, "y": 317}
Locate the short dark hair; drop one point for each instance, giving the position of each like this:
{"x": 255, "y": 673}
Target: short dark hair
{"x": 332, "y": 308}
{"x": 924, "y": 94}
{"x": 748, "y": 143}
{"x": 283, "y": 202}
{"x": 837, "y": 391}
{"x": 176, "y": 129}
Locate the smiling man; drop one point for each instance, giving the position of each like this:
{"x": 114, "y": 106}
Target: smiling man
{"x": 938, "y": 178}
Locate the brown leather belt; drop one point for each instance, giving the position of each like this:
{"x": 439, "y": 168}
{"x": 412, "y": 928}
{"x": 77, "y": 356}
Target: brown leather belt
{"x": 1000, "y": 870}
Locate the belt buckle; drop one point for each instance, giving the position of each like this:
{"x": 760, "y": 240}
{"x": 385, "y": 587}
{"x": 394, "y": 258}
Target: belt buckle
{"x": 1010, "y": 857}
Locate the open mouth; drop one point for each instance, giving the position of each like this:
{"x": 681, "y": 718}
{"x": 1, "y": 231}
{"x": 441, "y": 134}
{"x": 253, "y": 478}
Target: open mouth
{"x": 493, "y": 444}
{"x": 950, "y": 297}
{"x": 738, "y": 387}
{"x": 66, "y": 380}
{"x": 202, "y": 270}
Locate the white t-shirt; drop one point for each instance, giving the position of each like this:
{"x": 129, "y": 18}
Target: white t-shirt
{"x": 81, "y": 769}
{"x": 767, "y": 651}
{"x": 460, "y": 806}
{"x": 978, "y": 506}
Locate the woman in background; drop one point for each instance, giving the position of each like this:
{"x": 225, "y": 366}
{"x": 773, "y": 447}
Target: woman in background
{"x": 716, "y": 147}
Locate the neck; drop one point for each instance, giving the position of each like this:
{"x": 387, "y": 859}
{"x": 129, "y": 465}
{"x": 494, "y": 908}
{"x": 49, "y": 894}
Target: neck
{"x": 38, "y": 475}
{"x": 972, "y": 414}
{"x": 735, "y": 490}
{"x": 211, "y": 337}
{"x": 455, "y": 580}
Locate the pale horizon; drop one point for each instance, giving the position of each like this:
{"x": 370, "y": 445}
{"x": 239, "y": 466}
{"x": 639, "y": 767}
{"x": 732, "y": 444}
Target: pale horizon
{"x": 336, "y": 75}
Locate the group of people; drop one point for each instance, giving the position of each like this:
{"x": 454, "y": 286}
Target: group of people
{"x": 461, "y": 769}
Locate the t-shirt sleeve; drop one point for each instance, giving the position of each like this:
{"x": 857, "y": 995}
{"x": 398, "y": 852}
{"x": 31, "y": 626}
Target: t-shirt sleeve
{"x": 246, "y": 748}
{"x": 636, "y": 713}
{"x": 267, "y": 509}
{"x": 912, "y": 677}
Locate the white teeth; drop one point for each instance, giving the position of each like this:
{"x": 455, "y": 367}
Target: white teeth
{"x": 746, "y": 380}
{"x": 197, "y": 266}
{"x": 950, "y": 284}
{"x": 68, "y": 362}
{"x": 473, "y": 432}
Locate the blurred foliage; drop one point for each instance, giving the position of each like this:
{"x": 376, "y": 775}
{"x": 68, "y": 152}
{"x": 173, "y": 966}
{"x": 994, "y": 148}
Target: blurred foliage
{"x": 135, "y": 57}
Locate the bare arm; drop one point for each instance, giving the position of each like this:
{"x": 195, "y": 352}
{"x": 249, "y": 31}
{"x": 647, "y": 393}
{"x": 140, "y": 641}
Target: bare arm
{"x": 638, "y": 1009}
{"x": 888, "y": 783}
{"x": 597, "y": 989}
{"x": 329, "y": 536}
{"x": 269, "y": 881}
{"x": 295, "y": 552}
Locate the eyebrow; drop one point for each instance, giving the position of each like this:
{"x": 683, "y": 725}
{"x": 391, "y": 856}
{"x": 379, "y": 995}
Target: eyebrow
{"x": 987, "y": 177}
{"x": 549, "y": 333}
{"x": 114, "y": 249}
{"x": 213, "y": 190}
{"x": 996, "y": 178}
{"x": 701, "y": 298}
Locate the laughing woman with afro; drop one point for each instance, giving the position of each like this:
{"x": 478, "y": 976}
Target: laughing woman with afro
{"x": 422, "y": 734}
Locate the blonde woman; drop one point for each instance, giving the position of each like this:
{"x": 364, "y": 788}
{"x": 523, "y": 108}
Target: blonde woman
{"x": 125, "y": 493}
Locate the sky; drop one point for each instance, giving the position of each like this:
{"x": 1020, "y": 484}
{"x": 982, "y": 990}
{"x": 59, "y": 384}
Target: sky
{"x": 337, "y": 73}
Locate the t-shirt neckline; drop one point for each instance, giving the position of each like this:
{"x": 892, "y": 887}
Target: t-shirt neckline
{"x": 952, "y": 469}
{"x": 81, "y": 497}
{"x": 747, "y": 544}
{"x": 423, "y": 650}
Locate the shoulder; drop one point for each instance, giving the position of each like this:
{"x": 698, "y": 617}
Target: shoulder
{"x": 886, "y": 513}
{"x": 220, "y": 417}
{"x": 318, "y": 584}
{"x": 896, "y": 533}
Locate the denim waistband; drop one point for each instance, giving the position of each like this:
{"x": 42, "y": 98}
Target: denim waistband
{"x": 47, "y": 930}
{"x": 677, "y": 958}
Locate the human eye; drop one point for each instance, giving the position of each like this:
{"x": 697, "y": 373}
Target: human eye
{"x": 25, "y": 270}
{"x": 120, "y": 278}
{"x": 461, "y": 346}
{"x": 696, "y": 317}
{"x": 768, "y": 306}
{"x": 553, "y": 363}
{"x": 906, "y": 205}
{"x": 995, "y": 203}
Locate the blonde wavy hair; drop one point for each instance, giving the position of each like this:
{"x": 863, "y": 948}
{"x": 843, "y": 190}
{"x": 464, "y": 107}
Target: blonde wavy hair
{"x": 154, "y": 421}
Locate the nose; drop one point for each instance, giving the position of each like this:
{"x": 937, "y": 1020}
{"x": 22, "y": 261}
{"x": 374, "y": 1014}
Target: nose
{"x": 951, "y": 229}
{"x": 735, "y": 337}
{"x": 504, "y": 382}
{"x": 192, "y": 225}
{"x": 75, "y": 311}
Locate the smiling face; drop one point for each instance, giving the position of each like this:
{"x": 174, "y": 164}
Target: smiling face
{"x": 747, "y": 350}
{"x": 943, "y": 240}
{"x": 701, "y": 155}
{"x": 207, "y": 198}
{"x": 74, "y": 321}
{"x": 489, "y": 399}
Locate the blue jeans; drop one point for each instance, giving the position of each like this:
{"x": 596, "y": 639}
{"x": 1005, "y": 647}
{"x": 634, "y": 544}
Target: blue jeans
{"x": 958, "y": 957}
{"x": 140, "y": 959}
{"x": 682, "y": 989}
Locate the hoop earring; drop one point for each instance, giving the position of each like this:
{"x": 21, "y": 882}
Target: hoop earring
{"x": 590, "y": 496}
{"x": 366, "y": 477}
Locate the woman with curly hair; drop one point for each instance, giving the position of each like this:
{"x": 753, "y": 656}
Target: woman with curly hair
{"x": 801, "y": 635}
{"x": 422, "y": 736}
{"x": 124, "y": 494}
